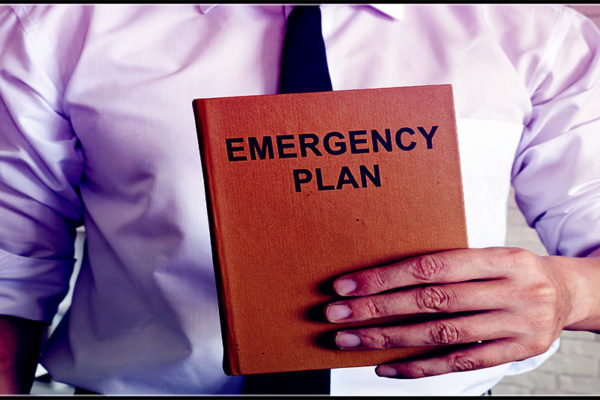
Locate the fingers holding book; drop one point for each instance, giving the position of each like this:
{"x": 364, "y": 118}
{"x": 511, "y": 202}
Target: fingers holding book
{"x": 484, "y": 307}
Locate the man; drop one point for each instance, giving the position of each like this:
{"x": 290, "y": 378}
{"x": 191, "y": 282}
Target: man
{"x": 96, "y": 129}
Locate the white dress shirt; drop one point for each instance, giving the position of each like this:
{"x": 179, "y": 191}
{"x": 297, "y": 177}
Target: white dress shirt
{"x": 96, "y": 127}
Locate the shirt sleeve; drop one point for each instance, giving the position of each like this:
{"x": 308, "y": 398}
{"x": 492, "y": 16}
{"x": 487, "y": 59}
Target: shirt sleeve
{"x": 41, "y": 165}
{"x": 556, "y": 173}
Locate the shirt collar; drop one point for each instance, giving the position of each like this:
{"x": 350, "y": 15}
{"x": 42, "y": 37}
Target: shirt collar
{"x": 204, "y": 8}
{"x": 393, "y": 10}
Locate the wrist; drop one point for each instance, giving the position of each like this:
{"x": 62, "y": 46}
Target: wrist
{"x": 581, "y": 278}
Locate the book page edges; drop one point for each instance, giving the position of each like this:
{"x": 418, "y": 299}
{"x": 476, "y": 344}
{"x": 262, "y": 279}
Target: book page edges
{"x": 230, "y": 361}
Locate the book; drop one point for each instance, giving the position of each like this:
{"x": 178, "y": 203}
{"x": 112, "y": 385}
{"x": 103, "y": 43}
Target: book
{"x": 302, "y": 188}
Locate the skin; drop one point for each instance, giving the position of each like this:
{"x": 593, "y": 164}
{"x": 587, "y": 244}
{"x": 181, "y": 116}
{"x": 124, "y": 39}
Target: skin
{"x": 513, "y": 301}
{"x": 20, "y": 341}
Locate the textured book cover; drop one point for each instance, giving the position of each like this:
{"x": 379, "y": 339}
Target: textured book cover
{"x": 302, "y": 188}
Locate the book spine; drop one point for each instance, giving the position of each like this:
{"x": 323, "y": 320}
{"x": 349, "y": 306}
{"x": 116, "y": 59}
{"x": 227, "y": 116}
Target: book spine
{"x": 230, "y": 360}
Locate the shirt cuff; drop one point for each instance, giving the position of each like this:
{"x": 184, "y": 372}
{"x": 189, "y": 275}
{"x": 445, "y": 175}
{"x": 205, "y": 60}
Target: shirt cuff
{"x": 32, "y": 288}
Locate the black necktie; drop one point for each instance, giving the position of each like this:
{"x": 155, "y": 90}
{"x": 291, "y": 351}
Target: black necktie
{"x": 303, "y": 60}
{"x": 303, "y": 69}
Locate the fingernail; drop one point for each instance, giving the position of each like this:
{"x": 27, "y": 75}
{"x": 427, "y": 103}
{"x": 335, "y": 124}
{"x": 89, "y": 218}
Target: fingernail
{"x": 385, "y": 370}
{"x": 338, "y": 311}
{"x": 344, "y": 339}
{"x": 344, "y": 286}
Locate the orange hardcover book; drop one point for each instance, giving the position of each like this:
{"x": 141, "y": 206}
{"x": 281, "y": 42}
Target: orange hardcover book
{"x": 302, "y": 188}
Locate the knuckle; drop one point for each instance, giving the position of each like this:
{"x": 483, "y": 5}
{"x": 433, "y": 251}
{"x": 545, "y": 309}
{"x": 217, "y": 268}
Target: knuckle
{"x": 433, "y": 299}
{"x": 544, "y": 293}
{"x": 539, "y": 348}
{"x": 522, "y": 257}
{"x": 420, "y": 371}
{"x": 464, "y": 362}
{"x": 385, "y": 341}
{"x": 374, "y": 307}
{"x": 444, "y": 333}
{"x": 427, "y": 268}
{"x": 378, "y": 280}
{"x": 545, "y": 321}
{"x": 415, "y": 370}
{"x": 535, "y": 347}
{"x": 377, "y": 339}
{"x": 372, "y": 281}
{"x": 545, "y": 301}
{"x": 368, "y": 338}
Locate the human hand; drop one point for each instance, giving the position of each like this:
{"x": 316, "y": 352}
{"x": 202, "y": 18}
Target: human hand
{"x": 503, "y": 304}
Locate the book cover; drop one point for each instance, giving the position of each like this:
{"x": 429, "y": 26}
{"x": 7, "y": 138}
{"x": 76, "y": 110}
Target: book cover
{"x": 302, "y": 188}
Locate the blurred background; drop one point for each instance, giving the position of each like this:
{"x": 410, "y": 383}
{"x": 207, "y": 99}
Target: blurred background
{"x": 574, "y": 369}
